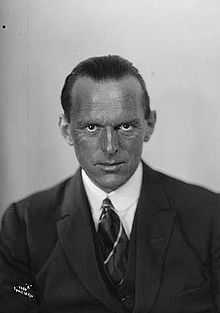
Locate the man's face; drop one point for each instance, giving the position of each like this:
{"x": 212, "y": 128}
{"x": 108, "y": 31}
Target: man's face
{"x": 107, "y": 128}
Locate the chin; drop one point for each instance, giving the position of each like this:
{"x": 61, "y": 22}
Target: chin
{"x": 111, "y": 182}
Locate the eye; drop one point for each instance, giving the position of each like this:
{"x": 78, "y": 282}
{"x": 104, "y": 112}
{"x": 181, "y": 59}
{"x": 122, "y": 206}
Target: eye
{"x": 91, "y": 128}
{"x": 126, "y": 127}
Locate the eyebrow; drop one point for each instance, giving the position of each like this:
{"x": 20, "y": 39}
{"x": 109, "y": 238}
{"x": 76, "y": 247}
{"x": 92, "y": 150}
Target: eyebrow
{"x": 83, "y": 123}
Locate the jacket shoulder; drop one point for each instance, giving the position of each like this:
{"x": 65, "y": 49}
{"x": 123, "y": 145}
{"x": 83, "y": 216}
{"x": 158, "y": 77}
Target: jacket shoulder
{"x": 185, "y": 190}
{"x": 44, "y": 201}
{"x": 183, "y": 195}
{"x": 40, "y": 205}
{"x": 192, "y": 202}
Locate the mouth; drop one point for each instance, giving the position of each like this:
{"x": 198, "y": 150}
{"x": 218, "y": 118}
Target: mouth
{"x": 110, "y": 166}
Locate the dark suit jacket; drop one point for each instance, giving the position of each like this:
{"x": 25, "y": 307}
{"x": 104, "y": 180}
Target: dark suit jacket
{"x": 47, "y": 240}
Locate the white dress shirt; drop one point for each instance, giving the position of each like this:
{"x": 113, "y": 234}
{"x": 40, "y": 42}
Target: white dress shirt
{"x": 124, "y": 199}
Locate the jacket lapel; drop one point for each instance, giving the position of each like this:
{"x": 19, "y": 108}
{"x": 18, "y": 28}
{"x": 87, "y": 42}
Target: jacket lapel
{"x": 155, "y": 220}
{"x": 76, "y": 233}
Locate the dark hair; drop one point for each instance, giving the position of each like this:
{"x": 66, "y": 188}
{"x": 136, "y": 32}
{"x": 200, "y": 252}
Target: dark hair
{"x": 102, "y": 68}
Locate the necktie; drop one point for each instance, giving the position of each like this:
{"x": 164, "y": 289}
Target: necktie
{"x": 114, "y": 243}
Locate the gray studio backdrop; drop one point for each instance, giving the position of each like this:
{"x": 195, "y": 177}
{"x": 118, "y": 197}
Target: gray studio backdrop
{"x": 174, "y": 43}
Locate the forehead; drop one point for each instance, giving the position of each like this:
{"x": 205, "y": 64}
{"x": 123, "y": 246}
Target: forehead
{"x": 123, "y": 94}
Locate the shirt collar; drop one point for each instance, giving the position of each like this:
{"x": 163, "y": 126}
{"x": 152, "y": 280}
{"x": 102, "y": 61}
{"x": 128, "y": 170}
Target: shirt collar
{"x": 122, "y": 198}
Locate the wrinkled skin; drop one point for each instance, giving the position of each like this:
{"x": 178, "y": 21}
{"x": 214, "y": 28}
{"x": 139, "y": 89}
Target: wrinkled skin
{"x": 107, "y": 129}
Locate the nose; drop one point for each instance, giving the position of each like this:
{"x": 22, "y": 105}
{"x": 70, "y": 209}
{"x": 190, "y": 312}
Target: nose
{"x": 109, "y": 140}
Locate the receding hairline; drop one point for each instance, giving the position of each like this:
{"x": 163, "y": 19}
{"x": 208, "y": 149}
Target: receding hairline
{"x": 74, "y": 93}
{"x": 100, "y": 70}
{"x": 106, "y": 80}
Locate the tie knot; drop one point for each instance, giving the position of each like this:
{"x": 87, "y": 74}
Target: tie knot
{"x": 107, "y": 204}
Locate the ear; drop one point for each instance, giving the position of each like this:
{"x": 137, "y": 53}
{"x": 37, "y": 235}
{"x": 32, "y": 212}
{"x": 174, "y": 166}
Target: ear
{"x": 150, "y": 124}
{"x": 65, "y": 129}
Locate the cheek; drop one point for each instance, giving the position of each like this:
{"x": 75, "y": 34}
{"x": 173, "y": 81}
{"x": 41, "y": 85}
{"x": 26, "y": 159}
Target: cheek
{"x": 85, "y": 146}
{"x": 132, "y": 144}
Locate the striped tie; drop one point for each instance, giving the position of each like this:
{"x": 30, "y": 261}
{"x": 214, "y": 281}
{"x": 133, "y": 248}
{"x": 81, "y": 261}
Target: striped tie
{"x": 114, "y": 243}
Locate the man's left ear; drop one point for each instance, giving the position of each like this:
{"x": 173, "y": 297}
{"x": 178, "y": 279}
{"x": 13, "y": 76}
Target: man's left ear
{"x": 151, "y": 121}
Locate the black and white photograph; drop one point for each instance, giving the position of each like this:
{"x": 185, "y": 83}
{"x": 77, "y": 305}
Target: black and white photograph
{"x": 109, "y": 156}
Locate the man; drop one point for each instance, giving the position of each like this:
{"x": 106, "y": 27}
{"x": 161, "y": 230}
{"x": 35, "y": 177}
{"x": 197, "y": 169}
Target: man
{"x": 118, "y": 236}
